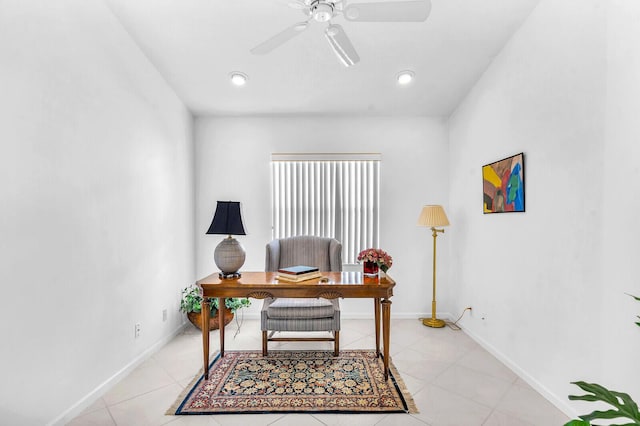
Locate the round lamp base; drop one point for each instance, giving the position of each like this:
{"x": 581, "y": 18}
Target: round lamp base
{"x": 433, "y": 322}
{"x": 229, "y": 256}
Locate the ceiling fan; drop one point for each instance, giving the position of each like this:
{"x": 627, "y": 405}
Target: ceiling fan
{"x": 325, "y": 10}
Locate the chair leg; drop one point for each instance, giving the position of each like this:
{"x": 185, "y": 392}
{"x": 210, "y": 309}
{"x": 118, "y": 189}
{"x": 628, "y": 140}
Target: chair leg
{"x": 336, "y": 343}
{"x": 264, "y": 342}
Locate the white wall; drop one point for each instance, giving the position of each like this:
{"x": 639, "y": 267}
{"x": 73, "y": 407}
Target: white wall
{"x": 621, "y": 203}
{"x": 549, "y": 283}
{"x": 233, "y": 156}
{"x": 97, "y": 206}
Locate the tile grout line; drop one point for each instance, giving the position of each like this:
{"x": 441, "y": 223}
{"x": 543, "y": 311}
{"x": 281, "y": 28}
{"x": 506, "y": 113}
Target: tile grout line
{"x": 143, "y": 393}
{"x": 494, "y": 409}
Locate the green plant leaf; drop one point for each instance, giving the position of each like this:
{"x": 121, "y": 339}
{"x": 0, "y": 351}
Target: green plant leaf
{"x": 191, "y": 299}
{"x": 577, "y": 423}
{"x": 623, "y": 405}
{"x": 638, "y": 299}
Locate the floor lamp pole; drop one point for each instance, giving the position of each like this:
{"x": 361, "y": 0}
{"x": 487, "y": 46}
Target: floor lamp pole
{"x": 433, "y": 321}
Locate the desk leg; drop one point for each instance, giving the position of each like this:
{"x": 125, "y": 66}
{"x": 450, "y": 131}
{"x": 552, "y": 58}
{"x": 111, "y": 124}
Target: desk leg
{"x": 376, "y": 315}
{"x": 205, "y": 335}
{"x": 221, "y": 322}
{"x": 386, "y": 319}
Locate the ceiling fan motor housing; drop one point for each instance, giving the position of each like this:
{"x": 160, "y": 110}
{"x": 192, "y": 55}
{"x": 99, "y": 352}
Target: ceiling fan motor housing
{"x": 322, "y": 11}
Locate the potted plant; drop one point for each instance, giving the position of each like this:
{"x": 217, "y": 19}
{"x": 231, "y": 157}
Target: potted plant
{"x": 191, "y": 304}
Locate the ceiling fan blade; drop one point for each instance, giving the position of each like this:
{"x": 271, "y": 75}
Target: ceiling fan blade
{"x": 294, "y": 4}
{"x": 398, "y": 11}
{"x": 342, "y": 45}
{"x": 297, "y": 4}
{"x": 280, "y": 38}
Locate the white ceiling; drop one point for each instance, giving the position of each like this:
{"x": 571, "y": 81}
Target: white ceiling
{"x": 195, "y": 44}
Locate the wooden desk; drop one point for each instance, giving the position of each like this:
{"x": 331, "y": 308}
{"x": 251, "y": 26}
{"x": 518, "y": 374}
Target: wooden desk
{"x": 260, "y": 285}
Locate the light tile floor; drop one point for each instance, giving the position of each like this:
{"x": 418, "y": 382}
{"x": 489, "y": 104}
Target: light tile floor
{"x": 453, "y": 382}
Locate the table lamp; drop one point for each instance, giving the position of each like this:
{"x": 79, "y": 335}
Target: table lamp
{"x": 229, "y": 254}
{"x": 433, "y": 216}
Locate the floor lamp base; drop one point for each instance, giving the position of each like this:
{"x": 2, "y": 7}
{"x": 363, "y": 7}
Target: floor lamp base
{"x": 433, "y": 322}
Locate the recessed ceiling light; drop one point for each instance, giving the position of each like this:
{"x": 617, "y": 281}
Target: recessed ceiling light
{"x": 405, "y": 77}
{"x": 238, "y": 78}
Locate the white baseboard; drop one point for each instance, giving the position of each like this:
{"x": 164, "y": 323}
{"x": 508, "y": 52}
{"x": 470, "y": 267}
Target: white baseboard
{"x": 104, "y": 387}
{"x": 560, "y": 403}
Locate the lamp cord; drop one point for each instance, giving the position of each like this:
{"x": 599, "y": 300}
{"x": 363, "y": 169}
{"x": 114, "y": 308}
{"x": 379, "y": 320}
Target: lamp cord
{"x": 238, "y": 324}
{"x": 454, "y": 325}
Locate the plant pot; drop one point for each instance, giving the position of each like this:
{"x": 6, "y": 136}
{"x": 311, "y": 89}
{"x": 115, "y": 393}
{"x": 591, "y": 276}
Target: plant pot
{"x": 370, "y": 269}
{"x": 196, "y": 319}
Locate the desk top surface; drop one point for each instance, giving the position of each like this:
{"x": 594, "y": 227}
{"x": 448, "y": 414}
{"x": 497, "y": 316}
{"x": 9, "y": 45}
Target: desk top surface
{"x": 270, "y": 278}
{"x": 346, "y": 284}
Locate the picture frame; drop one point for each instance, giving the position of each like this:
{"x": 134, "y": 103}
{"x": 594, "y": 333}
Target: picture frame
{"x": 503, "y": 185}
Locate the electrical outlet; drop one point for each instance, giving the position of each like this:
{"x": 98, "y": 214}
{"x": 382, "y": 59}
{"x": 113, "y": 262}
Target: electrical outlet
{"x": 137, "y": 329}
{"x": 164, "y": 315}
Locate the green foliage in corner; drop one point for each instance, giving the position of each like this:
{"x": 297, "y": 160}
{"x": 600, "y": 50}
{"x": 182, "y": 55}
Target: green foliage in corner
{"x": 638, "y": 299}
{"x": 623, "y": 405}
{"x": 577, "y": 423}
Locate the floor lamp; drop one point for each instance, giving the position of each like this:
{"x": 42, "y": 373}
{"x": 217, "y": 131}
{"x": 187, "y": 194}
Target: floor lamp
{"x": 432, "y": 216}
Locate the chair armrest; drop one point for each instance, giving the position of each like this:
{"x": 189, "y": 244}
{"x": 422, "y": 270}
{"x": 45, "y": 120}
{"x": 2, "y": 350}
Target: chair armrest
{"x": 335, "y": 255}
{"x": 272, "y": 259}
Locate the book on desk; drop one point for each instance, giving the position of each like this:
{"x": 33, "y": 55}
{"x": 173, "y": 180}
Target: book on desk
{"x": 298, "y": 273}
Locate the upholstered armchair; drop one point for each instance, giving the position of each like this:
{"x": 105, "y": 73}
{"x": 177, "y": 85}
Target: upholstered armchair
{"x": 299, "y": 314}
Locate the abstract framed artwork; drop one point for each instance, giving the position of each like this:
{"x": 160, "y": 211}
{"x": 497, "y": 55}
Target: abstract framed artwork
{"x": 503, "y": 185}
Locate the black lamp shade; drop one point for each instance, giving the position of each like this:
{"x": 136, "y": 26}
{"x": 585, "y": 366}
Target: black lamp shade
{"x": 227, "y": 219}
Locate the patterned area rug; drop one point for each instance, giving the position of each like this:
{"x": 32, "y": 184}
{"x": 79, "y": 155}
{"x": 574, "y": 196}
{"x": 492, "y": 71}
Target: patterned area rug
{"x": 296, "y": 382}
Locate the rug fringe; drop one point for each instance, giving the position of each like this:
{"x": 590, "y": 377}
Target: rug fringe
{"x": 408, "y": 398}
{"x": 171, "y": 411}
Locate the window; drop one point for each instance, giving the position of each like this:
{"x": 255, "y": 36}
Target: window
{"x": 327, "y": 195}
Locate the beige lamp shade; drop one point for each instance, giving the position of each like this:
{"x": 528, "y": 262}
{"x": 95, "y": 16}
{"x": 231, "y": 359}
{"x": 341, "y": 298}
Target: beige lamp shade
{"x": 433, "y": 216}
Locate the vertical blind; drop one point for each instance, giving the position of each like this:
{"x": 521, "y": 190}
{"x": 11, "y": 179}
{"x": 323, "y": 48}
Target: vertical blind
{"x": 327, "y": 195}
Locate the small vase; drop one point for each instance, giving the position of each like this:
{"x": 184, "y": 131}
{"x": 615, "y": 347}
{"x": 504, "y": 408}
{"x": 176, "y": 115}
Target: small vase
{"x": 370, "y": 269}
